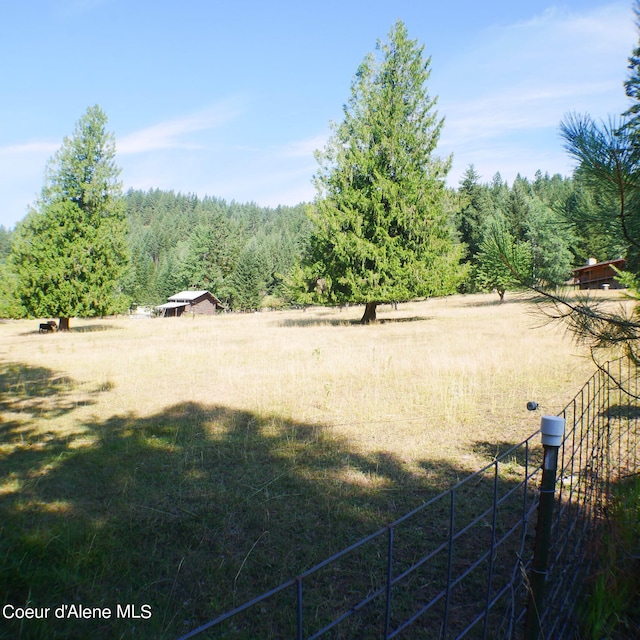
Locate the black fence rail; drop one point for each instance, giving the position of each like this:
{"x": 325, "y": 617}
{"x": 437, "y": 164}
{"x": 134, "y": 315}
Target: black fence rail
{"x": 459, "y": 565}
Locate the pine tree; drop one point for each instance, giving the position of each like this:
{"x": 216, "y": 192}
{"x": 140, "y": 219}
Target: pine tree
{"x": 247, "y": 282}
{"x": 475, "y": 207}
{"x": 502, "y": 260}
{"x": 549, "y": 240}
{"x": 381, "y": 232}
{"x": 469, "y": 218}
{"x": 70, "y": 250}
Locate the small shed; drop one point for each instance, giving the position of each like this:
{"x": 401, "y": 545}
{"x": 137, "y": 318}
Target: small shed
{"x": 598, "y": 275}
{"x": 196, "y": 302}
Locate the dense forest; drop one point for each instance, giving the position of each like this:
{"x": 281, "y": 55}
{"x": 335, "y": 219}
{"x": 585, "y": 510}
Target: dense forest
{"x": 536, "y": 222}
{"x": 243, "y": 253}
{"x": 239, "y": 252}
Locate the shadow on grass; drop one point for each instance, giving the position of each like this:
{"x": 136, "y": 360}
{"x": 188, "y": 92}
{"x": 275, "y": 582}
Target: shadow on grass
{"x": 318, "y": 322}
{"x": 93, "y": 328}
{"x": 629, "y": 411}
{"x": 82, "y": 328}
{"x": 30, "y": 391}
{"x": 336, "y": 322}
{"x": 490, "y": 451}
{"x": 197, "y": 509}
{"x": 20, "y": 382}
{"x": 514, "y": 298}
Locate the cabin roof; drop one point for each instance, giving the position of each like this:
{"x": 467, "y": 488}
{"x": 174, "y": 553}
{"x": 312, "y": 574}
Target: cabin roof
{"x": 599, "y": 264}
{"x": 188, "y": 295}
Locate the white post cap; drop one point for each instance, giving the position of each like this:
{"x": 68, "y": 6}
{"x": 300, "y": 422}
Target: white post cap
{"x": 552, "y": 428}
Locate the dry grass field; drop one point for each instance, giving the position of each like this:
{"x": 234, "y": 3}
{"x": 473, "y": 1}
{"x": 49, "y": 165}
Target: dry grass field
{"x": 192, "y": 463}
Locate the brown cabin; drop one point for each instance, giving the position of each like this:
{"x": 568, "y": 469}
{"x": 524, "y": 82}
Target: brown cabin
{"x": 196, "y": 302}
{"x": 598, "y": 275}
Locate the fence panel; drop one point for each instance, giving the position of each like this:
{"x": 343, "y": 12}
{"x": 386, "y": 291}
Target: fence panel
{"x": 600, "y": 447}
{"x": 456, "y": 567}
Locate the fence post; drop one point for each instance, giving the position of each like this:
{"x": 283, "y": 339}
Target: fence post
{"x": 552, "y": 428}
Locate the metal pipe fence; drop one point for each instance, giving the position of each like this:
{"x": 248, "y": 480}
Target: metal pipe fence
{"x": 458, "y": 566}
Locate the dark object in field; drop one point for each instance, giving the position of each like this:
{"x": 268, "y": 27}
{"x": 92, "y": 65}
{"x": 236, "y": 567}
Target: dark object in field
{"x": 48, "y": 327}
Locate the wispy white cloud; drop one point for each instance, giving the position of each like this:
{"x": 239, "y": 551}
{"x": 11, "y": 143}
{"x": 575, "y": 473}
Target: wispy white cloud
{"x": 35, "y": 147}
{"x": 601, "y": 27}
{"x": 517, "y": 82}
{"x": 266, "y": 174}
{"x": 516, "y": 109}
{"x": 175, "y": 133}
{"x": 303, "y": 148}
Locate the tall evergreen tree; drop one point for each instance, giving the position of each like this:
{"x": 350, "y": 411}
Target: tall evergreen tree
{"x": 211, "y": 255}
{"x": 475, "y": 208}
{"x": 70, "y": 250}
{"x": 381, "y": 229}
{"x": 502, "y": 259}
{"x": 169, "y": 278}
{"x": 470, "y": 215}
{"x": 201, "y": 269}
{"x": 247, "y": 282}
{"x": 549, "y": 240}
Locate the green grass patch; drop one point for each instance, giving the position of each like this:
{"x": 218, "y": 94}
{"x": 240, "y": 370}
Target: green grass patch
{"x": 610, "y": 608}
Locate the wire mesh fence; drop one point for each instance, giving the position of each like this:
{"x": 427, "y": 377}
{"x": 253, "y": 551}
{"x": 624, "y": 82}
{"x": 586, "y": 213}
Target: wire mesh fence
{"x": 600, "y": 448}
{"x": 458, "y": 565}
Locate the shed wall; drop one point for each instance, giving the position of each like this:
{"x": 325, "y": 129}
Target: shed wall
{"x": 202, "y": 307}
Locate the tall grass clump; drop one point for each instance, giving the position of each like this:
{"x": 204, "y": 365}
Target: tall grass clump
{"x": 610, "y": 607}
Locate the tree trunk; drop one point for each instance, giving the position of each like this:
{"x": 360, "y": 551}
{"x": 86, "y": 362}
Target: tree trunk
{"x": 369, "y": 313}
{"x": 63, "y": 325}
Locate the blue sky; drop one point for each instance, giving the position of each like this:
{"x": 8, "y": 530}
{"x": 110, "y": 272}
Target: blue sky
{"x": 230, "y": 99}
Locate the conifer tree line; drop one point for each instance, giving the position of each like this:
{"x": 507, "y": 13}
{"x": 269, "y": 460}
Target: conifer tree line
{"x": 244, "y": 253}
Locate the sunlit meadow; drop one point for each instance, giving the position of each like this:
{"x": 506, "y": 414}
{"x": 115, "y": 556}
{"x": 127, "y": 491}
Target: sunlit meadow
{"x": 192, "y": 462}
